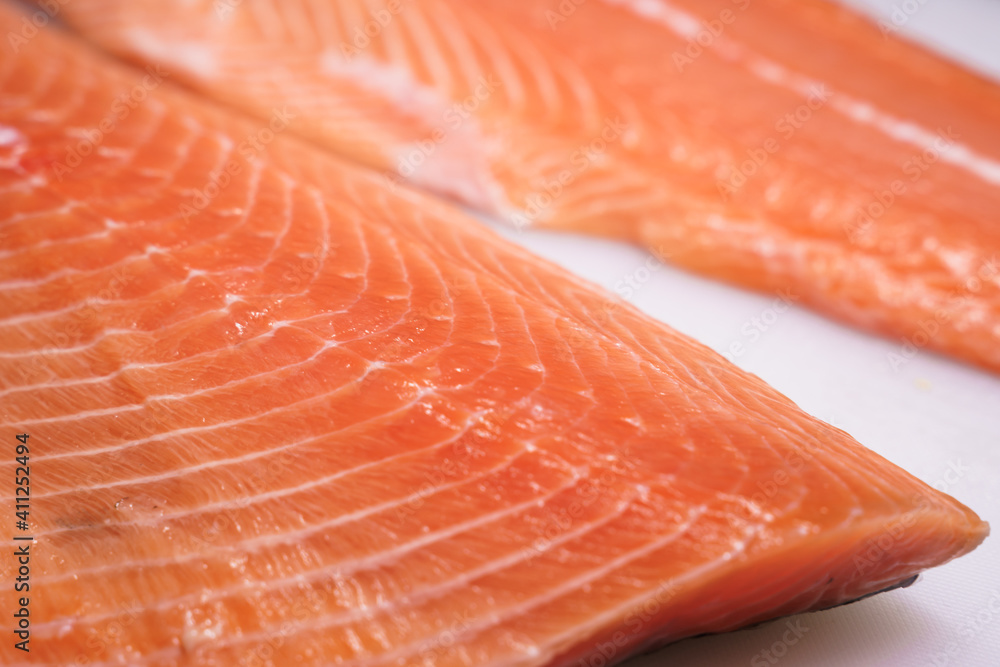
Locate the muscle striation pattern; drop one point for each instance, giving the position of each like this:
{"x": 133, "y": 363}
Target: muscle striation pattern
{"x": 280, "y": 414}
{"x": 778, "y": 144}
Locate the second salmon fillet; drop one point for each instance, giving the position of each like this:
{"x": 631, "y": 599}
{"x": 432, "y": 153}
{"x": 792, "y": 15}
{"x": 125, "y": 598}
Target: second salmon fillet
{"x": 776, "y": 144}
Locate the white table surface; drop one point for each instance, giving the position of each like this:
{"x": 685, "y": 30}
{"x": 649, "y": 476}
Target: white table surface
{"x": 931, "y": 416}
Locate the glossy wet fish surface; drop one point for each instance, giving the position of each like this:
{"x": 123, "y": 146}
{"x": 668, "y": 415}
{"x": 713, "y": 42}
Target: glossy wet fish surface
{"x": 283, "y": 413}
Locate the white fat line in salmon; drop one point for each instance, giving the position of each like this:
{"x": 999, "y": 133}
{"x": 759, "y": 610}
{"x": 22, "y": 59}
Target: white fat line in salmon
{"x": 858, "y": 110}
{"x": 36, "y": 367}
{"x": 251, "y": 146}
{"x": 559, "y": 521}
{"x": 261, "y": 643}
{"x": 90, "y": 139}
{"x": 580, "y": 160}
{"x": 481, "y": 432}
{"x": 705, "y": 34}
{"x": 434, "y": 651}
{"x": 680, "y": 22}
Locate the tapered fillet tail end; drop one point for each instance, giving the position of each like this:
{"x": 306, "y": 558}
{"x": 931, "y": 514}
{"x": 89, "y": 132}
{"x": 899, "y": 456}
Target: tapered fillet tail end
{"x": 978, "y": 530}
{"x": 877, "y": 551}
{"x": 888, "y": 553}
{"x": 967, "y": 529}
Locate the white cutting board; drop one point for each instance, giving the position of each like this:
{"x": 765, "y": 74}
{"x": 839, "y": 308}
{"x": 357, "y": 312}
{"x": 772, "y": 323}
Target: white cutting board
{"x": 938, "y": 419}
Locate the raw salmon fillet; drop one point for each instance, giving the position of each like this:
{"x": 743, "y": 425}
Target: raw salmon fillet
{"x": 280, "y": 415}
{"x": 777, "y": 144}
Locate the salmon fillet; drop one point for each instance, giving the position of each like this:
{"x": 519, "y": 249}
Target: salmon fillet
{"x": 277, "y": 414}
{"x": 775, "y": 144}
